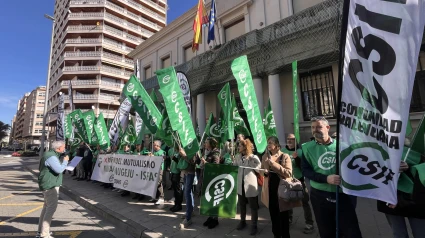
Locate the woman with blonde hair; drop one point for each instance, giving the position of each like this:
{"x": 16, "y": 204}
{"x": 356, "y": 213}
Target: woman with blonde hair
{"x": 277, "y": 165}
{"x": 247, "y": 183}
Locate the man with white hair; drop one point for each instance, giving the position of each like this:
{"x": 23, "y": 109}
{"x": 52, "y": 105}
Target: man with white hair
{"x": 49, "y": 181}
{"x": 157, "y": 151}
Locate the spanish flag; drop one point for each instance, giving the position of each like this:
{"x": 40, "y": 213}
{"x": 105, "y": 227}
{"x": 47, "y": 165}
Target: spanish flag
{"x": 200, "y": 19}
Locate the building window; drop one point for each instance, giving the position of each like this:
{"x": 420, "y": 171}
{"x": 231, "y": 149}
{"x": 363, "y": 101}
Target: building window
{"x": 188, "y": 53}
{"x": 318, "y": 93}
{"x": 147, "y": 72}
{"x": 298, "y": 5}
{"x": 166, "y": 62}
{"x": 39, "y": 123}
{"x": 234, "y": 30}
{"x": 41, "y": 94}
{"x": 39, "y": 115}
{"x": 40, "y": 102}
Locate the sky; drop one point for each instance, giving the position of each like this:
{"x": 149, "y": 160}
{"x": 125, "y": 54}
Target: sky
{"x": 25, "y": 45}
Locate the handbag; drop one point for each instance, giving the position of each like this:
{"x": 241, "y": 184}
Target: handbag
{"x": 290, "y": 190}
{"x": 260, "y": 179}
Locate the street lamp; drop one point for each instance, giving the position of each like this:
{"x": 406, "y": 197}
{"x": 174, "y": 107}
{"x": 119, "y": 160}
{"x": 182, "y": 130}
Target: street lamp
{"x": 43, "y": 135}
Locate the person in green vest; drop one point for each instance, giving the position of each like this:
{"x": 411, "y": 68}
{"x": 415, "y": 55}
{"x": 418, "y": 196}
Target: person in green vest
{"x": 49, "y": 181}
{"x": 176, "y": 179}
{"x": 296, "y": 170}
{"x": 318, "y": 165}
{"x": 125, "y": 151}
{"x": 138, "y": 151}
{"x": 227, "y": 156}
{"x": 157, "y": 151}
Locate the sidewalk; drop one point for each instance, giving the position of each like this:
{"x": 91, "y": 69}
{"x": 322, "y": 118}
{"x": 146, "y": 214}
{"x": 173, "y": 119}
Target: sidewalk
{"x": 144, "y": 219}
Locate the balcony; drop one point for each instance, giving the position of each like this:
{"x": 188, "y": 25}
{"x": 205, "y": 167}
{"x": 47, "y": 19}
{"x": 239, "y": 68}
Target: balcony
{"x": 123, "y": 35}
{"x": 133, "y": 16}
{"x": 115, "y": 45}
{"x": 97, "y": 69}
{"x": 128, "y": 25}
{"x": 147, "y": 11}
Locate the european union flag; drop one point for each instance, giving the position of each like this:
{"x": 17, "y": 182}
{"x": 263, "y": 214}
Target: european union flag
{"x": 212, "y": 22}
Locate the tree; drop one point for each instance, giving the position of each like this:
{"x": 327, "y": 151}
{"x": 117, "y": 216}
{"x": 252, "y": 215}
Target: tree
{"x": 4, "y": 128}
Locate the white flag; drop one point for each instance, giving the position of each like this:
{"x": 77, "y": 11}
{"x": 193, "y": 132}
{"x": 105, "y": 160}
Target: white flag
{"x": 381, "y": 55}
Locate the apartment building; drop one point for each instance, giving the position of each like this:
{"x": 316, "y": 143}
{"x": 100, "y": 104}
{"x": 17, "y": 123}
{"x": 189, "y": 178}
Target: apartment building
{"x": 18, "y": 125}
{"x": 27, "y": 125}
{"x": 273, "y": 34}
{"x": 91, "y": 41}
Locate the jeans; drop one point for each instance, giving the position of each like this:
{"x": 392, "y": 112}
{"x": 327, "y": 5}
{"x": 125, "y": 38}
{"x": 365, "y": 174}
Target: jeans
{"x": 188, "y": 183}
{"x": 51, "y": 197}
{"x": 399, "y": 227}
{"x": 176, "y": 184}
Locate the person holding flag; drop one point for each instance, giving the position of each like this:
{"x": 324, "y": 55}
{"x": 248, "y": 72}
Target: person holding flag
{"x": 247, "y": 183}
{"x": 213, "y": 156}
{"x": 275, "y": 165}
{"x": 318, "y": 165}
{"x": 157, "y": 151}
{"x": 295, "y": 156}
{"x": 176, "y": 180}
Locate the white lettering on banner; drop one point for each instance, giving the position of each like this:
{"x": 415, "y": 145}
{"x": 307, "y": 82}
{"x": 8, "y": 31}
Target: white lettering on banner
{"x": 219, "y": 189}
{"x": 242, "y": 76}
{"x": 166, "y": 79}
{"x": 130, "y": 88}
{"x": 139, "y": 174}
{"x": 377, "y": 57}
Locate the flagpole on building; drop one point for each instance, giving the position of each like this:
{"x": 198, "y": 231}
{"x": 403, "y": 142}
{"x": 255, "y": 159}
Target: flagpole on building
{"x": 343, "y": 36}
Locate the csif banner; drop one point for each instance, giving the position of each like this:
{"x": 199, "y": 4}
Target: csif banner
{"x": 139, "y": 174}
{"x": 219, "y": 188}
{"x": 242, "y": 73}
{"x": 381, "y": 53}
{"x": 120, "y": 121}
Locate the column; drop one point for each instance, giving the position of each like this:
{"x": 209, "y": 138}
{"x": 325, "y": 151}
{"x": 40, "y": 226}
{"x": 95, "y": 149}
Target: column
{"x": 276, "y": 102}
{"x": 258, "y": 85}
{"x": 200, "y": 111}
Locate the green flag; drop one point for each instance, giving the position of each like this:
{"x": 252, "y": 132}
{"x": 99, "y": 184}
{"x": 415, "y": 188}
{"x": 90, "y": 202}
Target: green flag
{"x": 219, "y": 189}
{"x": 197, "y": 131}
{"x": 68, "y": 126}
{"x": 88, "y": 118}
{"x": 409, "y": 128}
{"x": 269, "y": 123}
{"x": 295, "y": 96}
{"x": 164, "y": 132}
{"x": 225, "y": 99}
{"x": 177, "y": 111}
{"x": 102, "y": 132}
{"x": 143, "y": 104}
{"x": 239, "y": 123}
{"x": 75, "y": 143}
{"x": 94, "y": 139}
{"x": 129, "y": 136}
{"x": 210, "y": 123}
{"x": 418, "y": 141}
{"x": 80, "y": 130}
{"x": 242, "y": 73}
{"x": 75, "y": 115}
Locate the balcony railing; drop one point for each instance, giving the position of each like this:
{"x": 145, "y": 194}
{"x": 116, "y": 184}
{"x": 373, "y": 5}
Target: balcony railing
{"x": 122, "y": 34}
{"x": 142, "y": 8}
{"x": 117, "y": 45}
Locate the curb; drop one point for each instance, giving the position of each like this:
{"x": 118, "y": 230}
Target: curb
{"x": 130, "y": 227}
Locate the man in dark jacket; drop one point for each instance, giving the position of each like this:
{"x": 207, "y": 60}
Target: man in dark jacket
{"x": 49, "y": 181}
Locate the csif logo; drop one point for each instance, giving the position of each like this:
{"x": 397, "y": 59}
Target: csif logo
{"x": 327, "y": 160}
{"x": 221, "y": 191}
{"x": 166, "y": 79}
{"x": 130, "y": 87}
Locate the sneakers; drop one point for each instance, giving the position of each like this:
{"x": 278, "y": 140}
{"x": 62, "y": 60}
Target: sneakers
{"x": 308, "y": 229}
{"x": 159, "y": 202}
{"x": 253, "y": 230}
{"x": 241, "y": 225}
{"x": 185, "y": 224}
{"x": 207, "y": 222}
{"x": 39, "y": 235}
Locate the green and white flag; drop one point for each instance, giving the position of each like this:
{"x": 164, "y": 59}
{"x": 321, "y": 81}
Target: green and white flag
{"x": 269, "y": 123}
{"x": 240, "y": 126}
{"x": 129, "y": 137}
{"x": 225, "y": 99}
{"x": 210, "y": 124}
{"x": 242, "y": 73}
{"x": 177, "y": 110}
{"x": 102, "y": 132}
{"x": 219, "y": 187}
{"x": 198, "y": 133}
{"x": 75, "y": 115}
{"x": 68, "y": 126}
{"x": 295, "y": 96}
{"x": 75, "y": 143}
{"x": 164, "y": 132}
{"x": 89, "y": 118}
{"x": 143, "y": 104}
{"x": 94, "y": 139}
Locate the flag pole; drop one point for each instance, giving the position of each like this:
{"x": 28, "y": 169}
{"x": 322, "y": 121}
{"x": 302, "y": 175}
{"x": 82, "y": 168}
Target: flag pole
{"x": 345, "y": 12}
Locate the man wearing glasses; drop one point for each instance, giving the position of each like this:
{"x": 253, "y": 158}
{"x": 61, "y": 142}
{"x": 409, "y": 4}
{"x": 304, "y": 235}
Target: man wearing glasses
{"x": 319, "y": 165}
{"x": 295, "y": 153}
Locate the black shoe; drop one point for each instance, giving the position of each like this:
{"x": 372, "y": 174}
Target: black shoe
{"x": 171, "y": 208}
{"x": 176, "y": 208}
{"x": 207, "y": 222}
{"x": 141, "y": 197}
{"x": 253, "y": 230}
{"x": 137, "y": 196}
{"x": 213, "y": 224}
{"x": 241, "y": 225}
{"x": 125, "y": 194}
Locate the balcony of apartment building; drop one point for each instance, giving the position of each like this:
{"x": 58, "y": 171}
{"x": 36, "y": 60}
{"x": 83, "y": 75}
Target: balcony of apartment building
{"x": 149, "y": 11}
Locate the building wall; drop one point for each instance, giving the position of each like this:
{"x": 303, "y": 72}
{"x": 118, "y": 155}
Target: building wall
{"x": 33, "y": 124}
